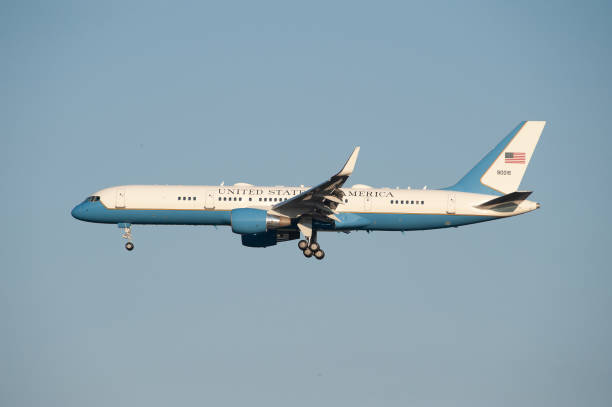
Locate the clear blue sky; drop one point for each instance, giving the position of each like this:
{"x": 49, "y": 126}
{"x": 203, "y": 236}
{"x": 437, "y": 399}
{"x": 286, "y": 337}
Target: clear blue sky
{"x": 507, "y": 313}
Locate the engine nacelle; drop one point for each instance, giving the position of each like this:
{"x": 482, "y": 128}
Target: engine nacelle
{"x": 250, "y": 221}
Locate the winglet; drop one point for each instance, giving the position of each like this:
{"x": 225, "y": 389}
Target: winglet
{"x": 350, "y": 164}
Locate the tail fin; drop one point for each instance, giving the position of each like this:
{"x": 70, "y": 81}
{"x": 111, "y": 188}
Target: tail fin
{"x": 501, "y": 171}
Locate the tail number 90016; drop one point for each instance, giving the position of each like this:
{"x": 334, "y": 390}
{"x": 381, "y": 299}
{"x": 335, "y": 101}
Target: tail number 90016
{"x": 504, "y": 172}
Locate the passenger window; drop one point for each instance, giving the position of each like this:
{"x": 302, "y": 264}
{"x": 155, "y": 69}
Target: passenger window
{"x": 250, "y": 199}
{"x": 259, "y": 199}
{"x": 240, "y": 199}
{"x": 189, "y": 199}
{"x": 392, "y": 202}
{"x": 194, "y": 198}
{"x": 224, "y": 198}
{"x": 412, "y": 202}
{"x": 403, "y": 202}
{"x": 219, "y": 198}
{"x": 179, "y": 198}
{"x": 422, "y": 202}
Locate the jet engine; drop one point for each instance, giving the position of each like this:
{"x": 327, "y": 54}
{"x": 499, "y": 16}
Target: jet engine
{"x": 250, "y": 221}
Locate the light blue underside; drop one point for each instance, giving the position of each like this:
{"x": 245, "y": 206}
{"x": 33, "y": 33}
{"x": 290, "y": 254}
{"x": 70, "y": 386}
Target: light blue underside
{"x": 96, "y": 212}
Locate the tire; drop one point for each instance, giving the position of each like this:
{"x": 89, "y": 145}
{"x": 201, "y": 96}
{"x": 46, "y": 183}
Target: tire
{"x": 319, "y": 254}
{"x": 314, "y": 246}
{"x": 307, "y": 252}
{"x": 129, "y": 246}
{"x": 302, "y": 244}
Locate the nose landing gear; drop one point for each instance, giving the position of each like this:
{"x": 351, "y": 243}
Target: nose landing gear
{"x": 127, "y": 234}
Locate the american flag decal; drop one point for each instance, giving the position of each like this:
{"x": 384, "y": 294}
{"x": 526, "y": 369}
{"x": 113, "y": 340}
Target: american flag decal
{"x": 514, "y": 158}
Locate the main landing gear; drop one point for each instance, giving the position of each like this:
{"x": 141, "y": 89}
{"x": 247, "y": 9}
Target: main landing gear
{"x": 127, "y": 234}
{"x": 310, "y": 247}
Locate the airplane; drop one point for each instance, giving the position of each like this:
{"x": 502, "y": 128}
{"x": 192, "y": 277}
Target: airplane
{"x": 266, "y": 215}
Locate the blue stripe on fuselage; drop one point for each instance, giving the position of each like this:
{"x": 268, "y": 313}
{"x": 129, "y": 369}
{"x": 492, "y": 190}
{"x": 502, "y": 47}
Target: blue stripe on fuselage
{"x": 415, "y": 221}
{"x": 98, "y": 213}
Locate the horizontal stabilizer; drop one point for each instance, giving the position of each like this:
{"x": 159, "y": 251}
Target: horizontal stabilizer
{"x": 511, "y": 198}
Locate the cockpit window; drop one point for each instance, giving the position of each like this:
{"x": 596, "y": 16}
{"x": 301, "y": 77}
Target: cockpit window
{"x": 93, "y": 199}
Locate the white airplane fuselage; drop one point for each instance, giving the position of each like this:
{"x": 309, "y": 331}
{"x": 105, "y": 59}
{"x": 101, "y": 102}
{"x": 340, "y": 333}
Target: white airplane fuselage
{"x": 267, "y": 215}
{"x": 361, "y": 209}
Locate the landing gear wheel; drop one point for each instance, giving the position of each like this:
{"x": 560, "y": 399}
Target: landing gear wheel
{"x": 129, "y": 246}
{"x": 307, "y": 252}
{"x": 314, "y": 246}
{"x": 319, "y": 254}
{"x": 302, "y": 244}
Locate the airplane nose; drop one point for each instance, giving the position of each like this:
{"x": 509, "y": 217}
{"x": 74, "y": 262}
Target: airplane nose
{"x": 77, "y": 212}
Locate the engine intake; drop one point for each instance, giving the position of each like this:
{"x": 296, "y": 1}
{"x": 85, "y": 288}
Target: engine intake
{"x": 249, "y": 221}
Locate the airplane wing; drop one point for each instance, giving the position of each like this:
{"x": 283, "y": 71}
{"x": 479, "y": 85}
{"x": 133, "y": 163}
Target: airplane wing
{"x": 319, "y": 202}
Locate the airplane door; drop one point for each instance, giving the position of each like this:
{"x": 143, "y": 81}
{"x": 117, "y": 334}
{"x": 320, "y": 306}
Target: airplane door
{"x": 209, "y": 203}
{"x": 451, "y": 203}
{"x": 367, "y": 203}
{"x": 120, "y": 200}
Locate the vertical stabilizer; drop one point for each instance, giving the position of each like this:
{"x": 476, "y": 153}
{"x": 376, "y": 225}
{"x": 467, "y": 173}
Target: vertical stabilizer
{"x": 501, "y": 171}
